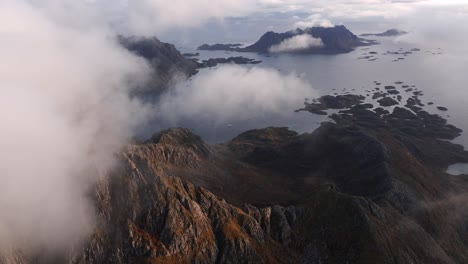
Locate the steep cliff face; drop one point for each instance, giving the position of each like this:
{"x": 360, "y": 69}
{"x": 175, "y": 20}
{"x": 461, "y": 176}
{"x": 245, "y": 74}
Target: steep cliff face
{"x": 166, "y": 61}
{"x": 342, "y": 194}
{"x": 149, "y": 216}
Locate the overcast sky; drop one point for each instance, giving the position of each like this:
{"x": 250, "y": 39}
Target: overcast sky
{"x": 245, "y": 20}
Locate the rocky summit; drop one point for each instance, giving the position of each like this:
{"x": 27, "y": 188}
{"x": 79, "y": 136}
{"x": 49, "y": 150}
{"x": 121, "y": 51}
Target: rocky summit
{"x": 349, "y": 192}
{"x": 337, "y": 39}
{"x": 165, "y": 60}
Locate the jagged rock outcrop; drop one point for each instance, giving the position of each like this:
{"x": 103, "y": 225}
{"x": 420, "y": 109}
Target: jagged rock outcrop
{"x": 343, "y": 194}
{"x": 355, "y": 195}
{"x": 166, "y": 61}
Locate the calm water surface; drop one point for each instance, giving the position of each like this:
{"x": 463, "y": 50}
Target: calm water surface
{"x": 441, "y": 73}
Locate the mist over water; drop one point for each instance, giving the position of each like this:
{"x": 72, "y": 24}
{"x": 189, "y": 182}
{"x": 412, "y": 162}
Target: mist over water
{"x": 434, "y": 27}
{"x": 441, "y": 77}
{"x": 66, "y": 109}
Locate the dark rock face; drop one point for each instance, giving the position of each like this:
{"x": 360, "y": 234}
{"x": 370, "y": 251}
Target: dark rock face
{"x": 189, "y": 55}
{"x": 164, "y": 58}
{"x": 387, "y": 101}
{"x": 378, "y": 95}
{"x": 369, "y": 188}
{"x": 346, "y": 193}
{"x": 354, "y": 195}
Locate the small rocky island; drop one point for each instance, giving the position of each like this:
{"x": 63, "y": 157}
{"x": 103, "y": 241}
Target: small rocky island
{"x": 213, "y": 62}
{"x": 396, "y": 55}
{"x": 190, "y": 55}
{"x": 409, "y": 119}
{"x": 389, "y": 33}
{"x": 226, "y": 47}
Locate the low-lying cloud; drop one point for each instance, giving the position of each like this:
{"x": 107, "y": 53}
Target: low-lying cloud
{"x": 65, "y": 111}
{"x": 315, "y": 20}
{"x": 234, "y": 93}
{"x": 65, "y": 84}
{"x": 298, "y": 43}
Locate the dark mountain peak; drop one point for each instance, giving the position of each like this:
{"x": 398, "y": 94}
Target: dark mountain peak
{"x": 176, "y": 136}
{"x": 336, "y": 40}
{"x": 164, "y": 59}
{"x": 146, "y": 47}
{"x": 346, "y": 193}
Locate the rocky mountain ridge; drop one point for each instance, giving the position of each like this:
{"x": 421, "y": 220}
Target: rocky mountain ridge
{"x": 346, "y": 193}
{"x": 370, "y": 187}
{"x": 341, "y": 194}
{"x": 168, "y": 64}
{"x": 335, "y": 40}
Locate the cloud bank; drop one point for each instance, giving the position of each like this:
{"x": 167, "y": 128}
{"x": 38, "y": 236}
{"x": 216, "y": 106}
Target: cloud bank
{"x": 315, "y": 20}
{"x": 65, "y": 106}
{"x": 298, "y": 43}
{"x": 234, "y": 92}
{"x": 65, "y": 85}
{"x": 65, "y": 111}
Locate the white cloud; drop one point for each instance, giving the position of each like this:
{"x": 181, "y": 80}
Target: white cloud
{"x": 315, "y": 20}
{"x": 234, "y": 92}
{"x": 64, "y": 83}
{"x": 298, "y": 43}
{"x": 65, "y": 111}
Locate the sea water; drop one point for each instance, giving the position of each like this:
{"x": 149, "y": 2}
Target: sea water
{"x": 438, "y": 71}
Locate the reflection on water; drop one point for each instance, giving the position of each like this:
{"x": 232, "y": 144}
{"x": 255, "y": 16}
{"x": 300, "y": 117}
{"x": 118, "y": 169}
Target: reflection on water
{"x": 434, "y": 70}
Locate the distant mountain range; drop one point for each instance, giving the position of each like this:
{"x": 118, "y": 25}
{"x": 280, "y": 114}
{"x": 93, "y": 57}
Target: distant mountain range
{"x": 389, "y": 33}
{"x": 334, "y": 40}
